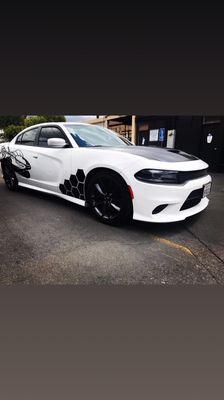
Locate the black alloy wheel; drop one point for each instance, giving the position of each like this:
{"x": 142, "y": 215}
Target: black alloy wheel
{"x": 109, "y": 199}
{"x": 9, "y": 176}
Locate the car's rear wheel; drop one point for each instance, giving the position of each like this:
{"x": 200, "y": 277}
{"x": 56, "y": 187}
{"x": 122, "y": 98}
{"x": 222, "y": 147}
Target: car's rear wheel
{"x": 109, "y": 199}
{"x": 9, "y": 176}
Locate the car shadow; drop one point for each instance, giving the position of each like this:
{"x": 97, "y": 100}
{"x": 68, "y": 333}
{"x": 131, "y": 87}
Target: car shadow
{"x": 51, "y": 197}
{"x": 140, "y": 226}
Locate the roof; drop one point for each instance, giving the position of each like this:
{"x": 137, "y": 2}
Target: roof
{"x": 56, "y": 123}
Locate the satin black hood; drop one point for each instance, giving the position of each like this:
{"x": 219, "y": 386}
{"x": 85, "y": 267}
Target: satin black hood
{"x": 155, "y": 153}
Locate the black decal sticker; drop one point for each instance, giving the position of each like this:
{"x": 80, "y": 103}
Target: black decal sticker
{"x": 153, "y": 153}
{"x": 17, "y": 160}
{"x": 74, "y": 186}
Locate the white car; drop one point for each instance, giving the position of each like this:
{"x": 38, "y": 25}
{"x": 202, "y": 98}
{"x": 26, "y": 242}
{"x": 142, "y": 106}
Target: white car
{"x": 92, "y": 166}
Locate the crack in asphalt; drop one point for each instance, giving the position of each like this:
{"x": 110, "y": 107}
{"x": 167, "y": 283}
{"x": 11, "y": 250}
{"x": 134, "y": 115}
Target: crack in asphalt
{"x": 207, "y": 269}
{"x": 205, "y": 245}
{"x": 186, "y": 249}
{"x": 219, "y": 282}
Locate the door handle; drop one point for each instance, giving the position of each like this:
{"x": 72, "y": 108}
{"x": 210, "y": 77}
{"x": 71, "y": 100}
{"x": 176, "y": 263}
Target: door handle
{"x": 35, "y": 156}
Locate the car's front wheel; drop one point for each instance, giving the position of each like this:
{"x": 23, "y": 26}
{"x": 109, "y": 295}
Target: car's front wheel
{"x": 109, "y": 199}
{"x": 9, "y": 176}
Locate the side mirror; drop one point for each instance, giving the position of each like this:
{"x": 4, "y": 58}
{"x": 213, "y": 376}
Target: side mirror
{"x": 56, "y": 142}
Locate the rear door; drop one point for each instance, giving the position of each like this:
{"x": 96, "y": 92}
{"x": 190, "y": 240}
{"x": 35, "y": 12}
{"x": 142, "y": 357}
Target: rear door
{"x": 22, "y": 153}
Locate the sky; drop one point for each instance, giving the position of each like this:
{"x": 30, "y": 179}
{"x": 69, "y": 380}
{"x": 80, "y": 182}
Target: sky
{"x": 79, "y": 118}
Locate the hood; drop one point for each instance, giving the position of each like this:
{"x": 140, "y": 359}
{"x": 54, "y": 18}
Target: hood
{"x": 155, "y": 153}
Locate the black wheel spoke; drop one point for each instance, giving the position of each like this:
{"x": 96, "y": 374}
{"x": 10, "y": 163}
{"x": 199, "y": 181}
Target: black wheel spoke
{"x": 116, "y": 207}
{"x": 99, "y": 189}
{"x": 98, "y": 203}
{"x": 107, "y": 198}
{"x": 104, "y": 184}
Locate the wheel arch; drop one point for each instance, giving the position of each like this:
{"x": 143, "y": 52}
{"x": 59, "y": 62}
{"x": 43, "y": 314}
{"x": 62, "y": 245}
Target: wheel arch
{"x": 95, "y": 170}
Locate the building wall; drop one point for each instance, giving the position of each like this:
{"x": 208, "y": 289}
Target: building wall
{"x": 123, "y": 130}
{"x": 190, "y": 134}
{"x": 145, "y": 124}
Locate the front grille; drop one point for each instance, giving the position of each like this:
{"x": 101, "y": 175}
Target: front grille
{"x": 184, "y": 176}
{"x": 193, "y": 199}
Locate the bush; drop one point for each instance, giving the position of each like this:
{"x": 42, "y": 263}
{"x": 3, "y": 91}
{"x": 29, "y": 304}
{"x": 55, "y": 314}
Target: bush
{"x": 39, "y": 119}
{"x": 34, "y": 121}
{"x": 54, "y": 118}
{"x": 12, "y": 130}
{"x": 6, "y": 120}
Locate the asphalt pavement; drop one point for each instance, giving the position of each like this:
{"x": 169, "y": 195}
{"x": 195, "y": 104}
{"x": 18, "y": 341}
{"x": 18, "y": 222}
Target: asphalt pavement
{"x": 46, "y": 240}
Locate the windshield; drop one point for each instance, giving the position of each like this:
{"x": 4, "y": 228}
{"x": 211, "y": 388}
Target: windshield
{"x": 95, "y": 136}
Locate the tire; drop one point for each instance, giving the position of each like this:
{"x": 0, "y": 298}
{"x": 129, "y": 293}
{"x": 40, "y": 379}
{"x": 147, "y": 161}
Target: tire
{"x": 109, "y": 199}
{"x": 9, "y": 176}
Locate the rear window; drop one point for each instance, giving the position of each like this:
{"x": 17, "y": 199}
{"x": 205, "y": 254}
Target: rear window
{"x": 28, "y": 137}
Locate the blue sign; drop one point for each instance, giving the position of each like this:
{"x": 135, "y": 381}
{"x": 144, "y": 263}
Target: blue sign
{"x": 161, "y": 134}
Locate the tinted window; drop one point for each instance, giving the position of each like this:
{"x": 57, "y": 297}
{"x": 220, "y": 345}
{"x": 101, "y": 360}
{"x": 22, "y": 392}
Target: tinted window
{"x": 50, "y": 133}
{"x": 28, "y": 137}
{"x": 18, "y": 140}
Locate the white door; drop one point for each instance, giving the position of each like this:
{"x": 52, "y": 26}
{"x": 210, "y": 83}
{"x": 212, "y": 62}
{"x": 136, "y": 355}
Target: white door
{"x": 22, "y": 154}
{"x": 50, "y": 165}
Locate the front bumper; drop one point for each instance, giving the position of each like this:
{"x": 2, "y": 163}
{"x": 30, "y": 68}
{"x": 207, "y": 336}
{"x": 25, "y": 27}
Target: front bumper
{"x": 148, "y": 196}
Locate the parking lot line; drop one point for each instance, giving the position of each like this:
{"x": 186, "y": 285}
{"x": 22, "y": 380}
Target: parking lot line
{"x": 172, "y": 244}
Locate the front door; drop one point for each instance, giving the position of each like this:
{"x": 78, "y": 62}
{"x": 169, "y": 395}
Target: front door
{"x": 51, "y": 165}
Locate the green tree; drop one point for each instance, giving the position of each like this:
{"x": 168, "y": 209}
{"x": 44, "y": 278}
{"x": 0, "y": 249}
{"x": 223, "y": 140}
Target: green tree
{"x": 34, "y": 120}
{"x": 38, "y": 119}
{"x": 11, "y": 130}
{"x": 6, "y": 120}
{"x": 14, "y": 124}
{"x": 54, "y": 118}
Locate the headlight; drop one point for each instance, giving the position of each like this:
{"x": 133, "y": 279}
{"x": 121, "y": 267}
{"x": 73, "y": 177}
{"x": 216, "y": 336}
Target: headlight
{"x": 157, "y": 176}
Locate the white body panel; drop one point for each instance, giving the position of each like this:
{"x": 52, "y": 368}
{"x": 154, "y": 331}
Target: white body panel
{"x": 51, "y": 167}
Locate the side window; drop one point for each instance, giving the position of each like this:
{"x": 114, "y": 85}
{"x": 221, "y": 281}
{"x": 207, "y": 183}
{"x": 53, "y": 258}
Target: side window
{"x": 28, "y": 138}
{"x": 49, "y": 132}
{"x": 18, "y": 140}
